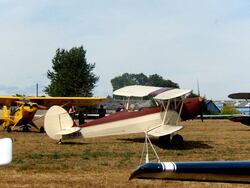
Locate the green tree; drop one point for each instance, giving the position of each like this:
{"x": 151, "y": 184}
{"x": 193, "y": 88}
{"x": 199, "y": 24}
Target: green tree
{"x": 159, "y": 81}
{"x": 127, "y": 79}
{"x": 71, "y": 75}
{"x": 229, "y": 109}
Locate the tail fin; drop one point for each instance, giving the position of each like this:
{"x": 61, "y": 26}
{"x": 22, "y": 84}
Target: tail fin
{"x": 57, "y": 123}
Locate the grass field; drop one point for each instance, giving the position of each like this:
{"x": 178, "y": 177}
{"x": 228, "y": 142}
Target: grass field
{"x": 107, "y": 162}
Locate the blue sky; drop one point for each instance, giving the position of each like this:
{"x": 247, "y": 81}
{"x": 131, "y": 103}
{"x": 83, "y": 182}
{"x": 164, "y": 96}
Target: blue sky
{"x": 182, "y": 40}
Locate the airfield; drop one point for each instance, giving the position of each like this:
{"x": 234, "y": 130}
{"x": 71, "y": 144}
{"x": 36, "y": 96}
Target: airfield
{"x": 107, "y": 162}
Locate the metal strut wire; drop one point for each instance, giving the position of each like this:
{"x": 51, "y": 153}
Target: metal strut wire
{"x": 146, "y": 150}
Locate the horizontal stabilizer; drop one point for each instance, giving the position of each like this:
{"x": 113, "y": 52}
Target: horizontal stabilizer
{"x": 165, "y": 130}
{"x": 69, "y": 131}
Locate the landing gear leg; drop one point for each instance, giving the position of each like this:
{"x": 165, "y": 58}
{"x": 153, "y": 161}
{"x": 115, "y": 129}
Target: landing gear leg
{"x": 41, "y": 130}
{"x": 60, "y": 141}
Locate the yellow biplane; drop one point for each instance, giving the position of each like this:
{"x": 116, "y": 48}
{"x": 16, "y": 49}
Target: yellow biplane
{"x": 20, "y": 111}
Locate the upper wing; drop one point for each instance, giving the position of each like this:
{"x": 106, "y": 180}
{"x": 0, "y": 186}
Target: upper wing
{"x": 239, "y": 96}
{"x": 9, "y": 100}
{"x": 173, "y": 93}
{"x": 161, "y": 93}
{"x": 136, "y": 91}
{"x": 67, "y": 101}
{"x": 139, "y": 91}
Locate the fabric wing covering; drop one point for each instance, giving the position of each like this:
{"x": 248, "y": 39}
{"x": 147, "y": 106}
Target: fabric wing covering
{"x": 159, "y": 93}
{"x": 173, "y": 93}
{"x": 136, "y": 91}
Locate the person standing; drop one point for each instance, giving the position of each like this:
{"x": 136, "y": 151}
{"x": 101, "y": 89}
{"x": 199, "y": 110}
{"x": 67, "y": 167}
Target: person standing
{"x": 81, "y": 117}
{"x": 72, "y": 112}
{"x": 101, "y": 111}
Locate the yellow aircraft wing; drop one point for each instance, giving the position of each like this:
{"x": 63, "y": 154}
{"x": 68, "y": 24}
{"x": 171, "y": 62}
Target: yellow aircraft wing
{"x": 9, "y": 100}
{"x": 66, "y": 101}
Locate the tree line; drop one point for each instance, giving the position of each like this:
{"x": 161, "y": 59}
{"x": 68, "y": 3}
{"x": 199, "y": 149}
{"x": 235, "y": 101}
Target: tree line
{"x": 72, "y": 75}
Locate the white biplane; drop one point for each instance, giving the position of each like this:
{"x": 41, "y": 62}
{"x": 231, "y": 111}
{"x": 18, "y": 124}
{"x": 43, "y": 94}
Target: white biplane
{"x": 159, "y": 117}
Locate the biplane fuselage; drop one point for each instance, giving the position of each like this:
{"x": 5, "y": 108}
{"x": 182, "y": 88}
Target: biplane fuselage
{"x": 159, "y": 115}
{"x": 127, "y": 122}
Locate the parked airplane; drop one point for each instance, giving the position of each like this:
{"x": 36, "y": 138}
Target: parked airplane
{"x": 20, "y": 111}
{"x": 160, "y": 116}
{"x": 244, "y": 119}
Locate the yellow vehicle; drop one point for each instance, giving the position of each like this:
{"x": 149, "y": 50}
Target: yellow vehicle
{"x": 19, "y": 112}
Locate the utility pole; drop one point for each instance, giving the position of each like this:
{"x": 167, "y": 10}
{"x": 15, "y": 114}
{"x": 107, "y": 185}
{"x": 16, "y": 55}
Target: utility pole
{"x": 37, "y": 89}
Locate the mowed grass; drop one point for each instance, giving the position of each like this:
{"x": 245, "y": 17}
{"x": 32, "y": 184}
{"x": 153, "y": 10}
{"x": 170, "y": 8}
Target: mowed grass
{"x": 107, "y": 162}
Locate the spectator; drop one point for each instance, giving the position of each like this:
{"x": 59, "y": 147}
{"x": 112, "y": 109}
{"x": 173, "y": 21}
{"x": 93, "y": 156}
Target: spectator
{"x": 101, "y": 111}
{"x": 120, "y": 108}
{"x": 132, "y": 107}
{"x": 72, "y": 112}
{"x": 81, "y": 116}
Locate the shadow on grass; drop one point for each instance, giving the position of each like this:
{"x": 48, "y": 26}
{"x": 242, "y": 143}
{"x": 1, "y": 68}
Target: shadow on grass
{"x": 187, "y": 145}
{"x": 73, "y": 143}
{"x": 242, "y": 130}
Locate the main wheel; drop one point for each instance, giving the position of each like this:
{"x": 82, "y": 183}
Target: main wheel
{"x": 177, "y": 140}
{"x": 26, "y": 128}
{"x": 8, "y": 129}
{"x": 164, "y": 140}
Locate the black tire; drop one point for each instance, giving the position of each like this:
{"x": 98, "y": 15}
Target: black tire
{"x": 165, "y": 140}
{"x": 177, "y": 140}
{"x": 26, "y": 128}
{"x": 8, "y": 129}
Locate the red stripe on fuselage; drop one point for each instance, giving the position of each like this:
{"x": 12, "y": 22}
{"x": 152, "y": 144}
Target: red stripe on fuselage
{"x": 122, "y": 115}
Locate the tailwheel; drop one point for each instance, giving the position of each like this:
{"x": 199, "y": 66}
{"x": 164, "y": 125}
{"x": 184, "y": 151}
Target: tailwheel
{"x": 177, "y": 140}
{"x": 41, "y": 130}
{"x": 60, "y": 141}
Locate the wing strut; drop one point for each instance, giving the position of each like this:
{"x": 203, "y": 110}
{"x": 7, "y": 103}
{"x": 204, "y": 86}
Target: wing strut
{"x": 166, "y": 111}
{"x": 179, "y": 114}
{"x": 145, "y": 150}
